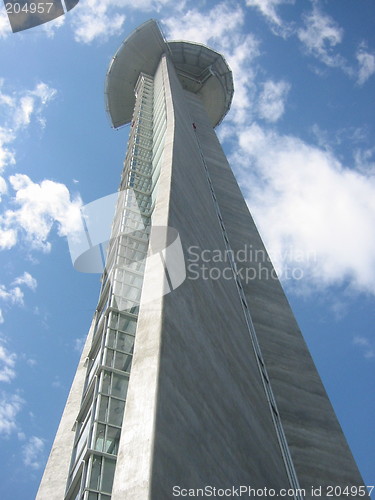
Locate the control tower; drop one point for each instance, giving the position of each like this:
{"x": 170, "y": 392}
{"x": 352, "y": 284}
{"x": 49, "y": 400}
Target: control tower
{"x": 194, "y": 375}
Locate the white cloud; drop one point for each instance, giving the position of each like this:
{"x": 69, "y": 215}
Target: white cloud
{"x": 93, "y": 21}
{"x": 52, "y": 26}
{"x": 7, "y": 156}
{"x": 367, "y": 346}
{"x": 204, "y": 27}
{"x": 365, "y": 160}
{"x": 3, "y": 187}
{"x": 8, "y": 238}
{"x": 271, "y": 102}
{"x": 57, "y": 383}
{"x": 33, "y": 452}
{"x": 366, "y": 62}
{"x": 4, "y": 24}
{"x": 39, "y": 206}
{"x": 1, "y": 317}
{"x": 44, "y": 92}
{"x": 31, "y": 103}
{"x": 320, "y": 36}
{"x": 26, "y": 279}
{"x": 315, "y": 215}
{"x": 14, "y": 295}
{"x": 268, "y": 9}
{"x": 10, "y": 406}
{"x": 101, "y": 19}
{"x": 240, "y": 56}
{"x": 17, "y": 111}
{"x": 23, "y": 112}
{"x": 79, "y": 343}
{"x": 7, "y": 364}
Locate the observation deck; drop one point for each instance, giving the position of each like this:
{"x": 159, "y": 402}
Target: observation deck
{"x": 200, "y": 69}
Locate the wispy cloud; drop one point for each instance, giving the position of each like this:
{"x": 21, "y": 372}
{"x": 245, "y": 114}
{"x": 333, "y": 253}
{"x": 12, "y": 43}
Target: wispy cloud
{"x": 33, "y": 103}
{"x": 10, "y": 406}
{"x": 56, "y": 383}
{"x": 271, "y": 102}
{"x": 366, "y": 63}
{"x": 17, "y": 110}
{"x": 13, "y": 295}
{"x": 366, "y": 345}
{"x": 268, "y": 8}
{"x": 4, "y": 24}
{"x": 79, "y": 343}
{"x": 7, "y": 156}
{"x": 53, "y": 26}
{"x": 365, "y": 160}
{"x": 320, "y": 36}
{"x": 33, "y": 452}
{"x": 26, "y": 279}
{"x": 307, "y": 204}
{"x": 7, "y": 364}
{"x": 243, "y": 50}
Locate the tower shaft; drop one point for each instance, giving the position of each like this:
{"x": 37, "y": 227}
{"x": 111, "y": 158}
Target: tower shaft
{"x": 199, "y": 381}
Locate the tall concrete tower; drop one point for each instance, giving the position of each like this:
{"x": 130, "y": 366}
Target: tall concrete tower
{"x": 194, "y": 375}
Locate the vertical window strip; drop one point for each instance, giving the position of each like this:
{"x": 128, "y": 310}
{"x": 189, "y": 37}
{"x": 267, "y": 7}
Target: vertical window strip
{"x": 97, "y": 433}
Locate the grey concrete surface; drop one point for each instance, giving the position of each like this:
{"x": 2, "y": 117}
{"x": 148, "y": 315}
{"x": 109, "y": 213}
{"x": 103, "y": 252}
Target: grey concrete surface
{"x": 55, "y": 476}
{"x": 196, "y": 411}
{"x": 318, "y": 447}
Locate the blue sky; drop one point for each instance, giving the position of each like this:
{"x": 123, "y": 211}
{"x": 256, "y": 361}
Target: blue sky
{"x": 299, "y": 136}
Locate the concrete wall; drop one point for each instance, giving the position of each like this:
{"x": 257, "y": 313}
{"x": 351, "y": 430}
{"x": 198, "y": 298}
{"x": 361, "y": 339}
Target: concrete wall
{"x": 135, "y": 455}
{"x": 196, "y": 411}
{"x": 53, "y": 484}
{"x": 213, "y": 424}
{"x": 318, "y": 447}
